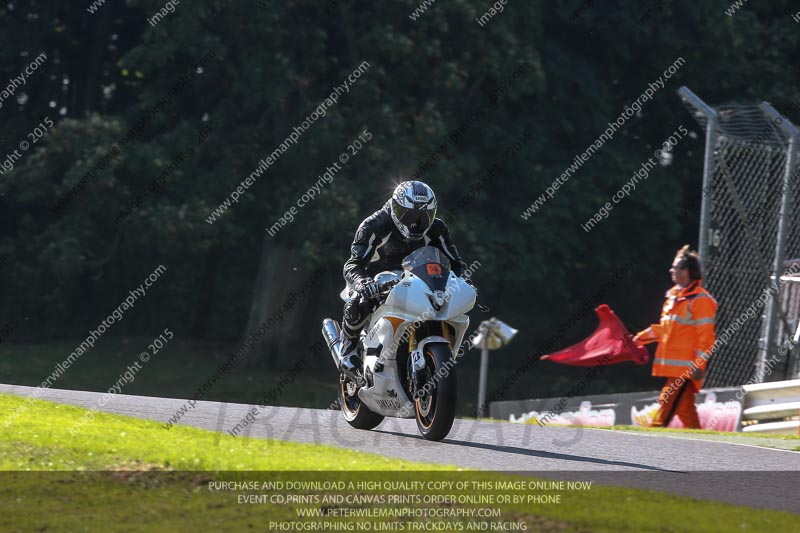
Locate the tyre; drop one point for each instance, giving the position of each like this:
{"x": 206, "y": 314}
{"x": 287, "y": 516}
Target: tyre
{"x": 436, "y": 406}
{"x": 354, "y": 411}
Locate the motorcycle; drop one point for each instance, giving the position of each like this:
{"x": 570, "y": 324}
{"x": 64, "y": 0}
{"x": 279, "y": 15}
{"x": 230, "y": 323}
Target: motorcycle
{"x": 407, "y": 367}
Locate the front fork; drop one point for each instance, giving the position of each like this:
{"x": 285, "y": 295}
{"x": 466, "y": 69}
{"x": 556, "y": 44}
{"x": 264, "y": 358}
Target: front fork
{"x": 417, "y": 358}
{"x": 417, "y": 361}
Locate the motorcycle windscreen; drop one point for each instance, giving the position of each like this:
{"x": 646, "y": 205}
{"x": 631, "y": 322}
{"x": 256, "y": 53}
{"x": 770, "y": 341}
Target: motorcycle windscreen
{"x": 430, "y": 265}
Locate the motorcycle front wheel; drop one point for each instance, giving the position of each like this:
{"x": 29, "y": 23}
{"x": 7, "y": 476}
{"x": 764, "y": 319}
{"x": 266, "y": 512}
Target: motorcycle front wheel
{"x": 435, "y": 403}
{"x": 354, "y": 411}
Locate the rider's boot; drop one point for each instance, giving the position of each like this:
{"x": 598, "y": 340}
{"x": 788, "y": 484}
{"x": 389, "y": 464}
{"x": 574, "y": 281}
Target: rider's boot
{"x": 349, "y": 361}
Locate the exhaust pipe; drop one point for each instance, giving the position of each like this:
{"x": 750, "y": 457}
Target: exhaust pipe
{"x": 331, "y": 331}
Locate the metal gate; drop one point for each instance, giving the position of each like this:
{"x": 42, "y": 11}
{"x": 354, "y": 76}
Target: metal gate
{"x": 749, "y": 227}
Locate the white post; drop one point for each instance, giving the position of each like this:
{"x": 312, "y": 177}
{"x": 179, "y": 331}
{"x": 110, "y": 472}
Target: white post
{"x": 484, "y": 375}
{"x": 772, "y": 310}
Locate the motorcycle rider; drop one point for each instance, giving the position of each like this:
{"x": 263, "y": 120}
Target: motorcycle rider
{"x": 406, "y": 222}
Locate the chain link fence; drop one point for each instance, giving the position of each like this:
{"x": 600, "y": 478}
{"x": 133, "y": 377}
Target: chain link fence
{"x": 746, "y": 235}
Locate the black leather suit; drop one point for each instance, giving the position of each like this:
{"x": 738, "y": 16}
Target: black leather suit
{"x": 379, "y": 246}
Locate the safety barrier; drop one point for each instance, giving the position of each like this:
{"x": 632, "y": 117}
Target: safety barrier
{"x": 772, "y": 407}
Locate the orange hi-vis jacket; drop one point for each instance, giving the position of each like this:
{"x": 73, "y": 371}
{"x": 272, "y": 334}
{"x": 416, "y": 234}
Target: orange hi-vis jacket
{"x": 685, "y": 334}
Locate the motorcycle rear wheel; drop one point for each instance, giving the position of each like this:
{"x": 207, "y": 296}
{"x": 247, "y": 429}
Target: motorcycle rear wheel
{"x": 353, "y": 409}
{"x": 436, "y": 409}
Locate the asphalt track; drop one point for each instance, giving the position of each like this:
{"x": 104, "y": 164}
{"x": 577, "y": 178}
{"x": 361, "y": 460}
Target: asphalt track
{"x": 732, "y": 473}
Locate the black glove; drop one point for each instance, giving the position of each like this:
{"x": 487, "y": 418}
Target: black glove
{"x": 367, "y": 288}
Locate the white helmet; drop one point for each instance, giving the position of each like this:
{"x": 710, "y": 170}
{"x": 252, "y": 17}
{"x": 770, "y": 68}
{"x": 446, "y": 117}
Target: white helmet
{"x": 413, "y": 208}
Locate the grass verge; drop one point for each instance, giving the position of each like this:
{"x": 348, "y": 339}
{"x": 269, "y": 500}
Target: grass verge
{"x": 701, "y": 432}
{"x": 781, "y": 442}
{"x": 125, "y": 474}
{"x": 184, "y": 365}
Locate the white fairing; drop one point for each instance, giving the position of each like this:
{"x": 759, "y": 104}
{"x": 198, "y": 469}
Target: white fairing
{"x": 411, "y": 300}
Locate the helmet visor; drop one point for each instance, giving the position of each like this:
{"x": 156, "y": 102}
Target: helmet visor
{"x": 417, "y": 221}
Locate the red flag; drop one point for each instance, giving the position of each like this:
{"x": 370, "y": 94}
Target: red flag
{"x": 611, "y": 343}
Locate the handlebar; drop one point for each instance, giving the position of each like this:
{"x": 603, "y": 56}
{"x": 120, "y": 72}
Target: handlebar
{"x": 386, "y": 286}
{"x": 384, "y": 289}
